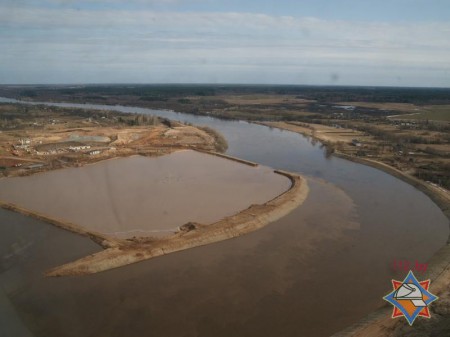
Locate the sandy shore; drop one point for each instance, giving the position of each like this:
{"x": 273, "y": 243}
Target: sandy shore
{"x": 379, "y": 322}
{"x": 324, "y": 133}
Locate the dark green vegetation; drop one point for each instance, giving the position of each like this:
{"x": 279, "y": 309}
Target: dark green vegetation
{"x": 158, "y": 92}
{"x": 435, "y": 113}
{"x": 410, "y": 126}
{"x": 19, "y": 116}
{"x": 294, "y": 103}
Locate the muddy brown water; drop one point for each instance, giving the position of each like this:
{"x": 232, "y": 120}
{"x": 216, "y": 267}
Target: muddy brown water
{"x": 315, "y": 271}
{"x": 134, "y": 196}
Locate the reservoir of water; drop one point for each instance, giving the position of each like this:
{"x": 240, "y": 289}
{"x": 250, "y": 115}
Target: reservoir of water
{"x": 141, "y": 196}
{"x": 317, "y": 270}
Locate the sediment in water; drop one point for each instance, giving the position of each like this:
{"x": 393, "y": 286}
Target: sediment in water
{"x": 246, "y": 221}
{"x": 120, "y": 252}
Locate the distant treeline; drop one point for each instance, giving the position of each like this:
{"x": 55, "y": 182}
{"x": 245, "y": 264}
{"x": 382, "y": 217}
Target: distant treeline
{"x": 320, "y": 93}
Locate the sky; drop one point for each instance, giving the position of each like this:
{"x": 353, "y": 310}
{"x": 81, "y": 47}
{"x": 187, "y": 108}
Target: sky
{"x": 308, "y": 42}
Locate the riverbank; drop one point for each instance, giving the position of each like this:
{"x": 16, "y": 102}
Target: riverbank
{"x": 439, "y": 195}
{"x": 379, "y": 323}
{"x": 38, "y": 139}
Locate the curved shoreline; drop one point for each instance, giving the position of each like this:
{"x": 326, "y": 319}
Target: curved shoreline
{"x": 441, "y": 200}
{"x": 438, "y": 198}
{"x": 121, "y": 252}
{"x": 246, "y": 221}
{"x": 379, "y": 322}
{"x": 437, "y": 262}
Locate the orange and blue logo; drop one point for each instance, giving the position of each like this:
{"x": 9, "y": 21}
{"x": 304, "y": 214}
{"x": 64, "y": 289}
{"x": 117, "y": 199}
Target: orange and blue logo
{"x": 410, "y": 298}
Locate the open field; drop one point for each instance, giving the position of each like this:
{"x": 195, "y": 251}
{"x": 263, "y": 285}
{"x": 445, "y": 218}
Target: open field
{"x": 400, "y": 107}
{"x": 434, "y": 113}
{"x": 263, "y": 99}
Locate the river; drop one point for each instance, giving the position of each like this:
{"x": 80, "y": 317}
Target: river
{"x": 312, "y": 273}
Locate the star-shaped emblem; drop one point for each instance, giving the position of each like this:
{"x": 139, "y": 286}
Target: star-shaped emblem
{"x": 410, "y": 298}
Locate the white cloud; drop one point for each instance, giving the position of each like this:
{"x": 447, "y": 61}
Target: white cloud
{"x": 121, "y": 45}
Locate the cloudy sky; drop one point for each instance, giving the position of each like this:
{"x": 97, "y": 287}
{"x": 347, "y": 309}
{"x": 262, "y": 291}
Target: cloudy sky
{"x": 342, "y": 42}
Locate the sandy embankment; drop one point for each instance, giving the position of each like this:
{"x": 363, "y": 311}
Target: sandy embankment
{"x": 379, "y": 322}
{"x": 323, "y": 133}
{"x": 120, "y": 252}
{"x": 249, "y": 220}
{"x": 101, "y": 239}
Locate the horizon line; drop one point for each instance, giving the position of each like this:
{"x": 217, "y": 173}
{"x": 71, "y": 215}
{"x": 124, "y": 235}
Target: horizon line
{"x": 215, "y": 84}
